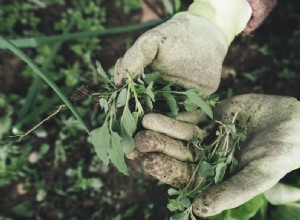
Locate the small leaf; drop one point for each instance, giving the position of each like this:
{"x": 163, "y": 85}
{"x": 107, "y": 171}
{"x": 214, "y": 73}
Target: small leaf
{"x": 173, "y": 205}
{"x": 94, "y": 183}
{"x": 220, "y": 172}
{"x": 173, "y": 192}
{"x": 103, "y": 104}
{"x": 148, "y": 102}
{"x": 113, "y": 96}
{"x": 185, "y": 202}
{"x": 41, "y": 194}
{"x": 152, "y": 77}
{"x": 197, "y": 100}
{"x": 100, "y": 138}
{"x": 206, "y": 170}
{"x": 102, "y": 73}
{"x": 149, "y": 91}
{"x": 180, "y": 216}
{"x": 128, "y": 123}
{"x": 128, "y": 127}
{"x": 116, "y": 154}
{"x": 233, "y": 165}
{"x": 189, "y": 106}
{"x": 122, "y": 97}
{"x": 172, "y": 103}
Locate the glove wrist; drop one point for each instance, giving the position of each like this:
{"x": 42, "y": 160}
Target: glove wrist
{"x": 230, "y": 16}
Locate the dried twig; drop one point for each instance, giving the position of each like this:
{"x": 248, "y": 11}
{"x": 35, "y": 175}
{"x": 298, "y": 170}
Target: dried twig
{"x": 39, "y": 124}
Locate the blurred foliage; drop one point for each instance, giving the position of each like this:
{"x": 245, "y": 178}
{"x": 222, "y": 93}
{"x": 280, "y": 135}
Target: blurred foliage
{"x": 54, "y": 172}
{"x": 128, "y": 6}
{"x": 279, "y": 46}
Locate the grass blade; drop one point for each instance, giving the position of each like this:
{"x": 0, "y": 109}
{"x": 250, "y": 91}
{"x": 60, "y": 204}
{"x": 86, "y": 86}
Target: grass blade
{"x": 37, "y": 82}
{"x": 8, "y": 45}
{"x": 38, "y": 41}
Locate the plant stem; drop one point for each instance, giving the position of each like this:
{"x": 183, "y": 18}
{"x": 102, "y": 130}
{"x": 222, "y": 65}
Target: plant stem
{"x": 5, "y": 43}
{"x": 38, "y": 41}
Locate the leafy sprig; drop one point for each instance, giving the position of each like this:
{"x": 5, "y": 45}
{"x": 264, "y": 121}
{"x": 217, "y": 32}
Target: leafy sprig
{"x": 218, "y": 160}
{"x": 124, "y": 107}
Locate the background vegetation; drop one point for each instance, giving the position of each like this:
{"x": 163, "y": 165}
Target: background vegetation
{"x": 53, "y": 173}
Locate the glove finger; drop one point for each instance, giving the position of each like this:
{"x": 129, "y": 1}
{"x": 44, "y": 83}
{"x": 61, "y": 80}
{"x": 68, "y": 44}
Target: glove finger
{"x": 173, "y": 128}
{"x": 133, "y": 155}
{"x": 252, "y": 180}
{"x": 169, "y": 170}
{"x": 194, "y": 117}
{"x": 137, "y": 57}
{"x": 150, "y": 141}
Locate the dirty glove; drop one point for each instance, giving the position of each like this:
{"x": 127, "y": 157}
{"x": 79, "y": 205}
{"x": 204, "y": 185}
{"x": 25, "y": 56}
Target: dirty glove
{"x": 189, "y": 49}
{"x": 270, "y": 151}
{"x": 260, "y": 10}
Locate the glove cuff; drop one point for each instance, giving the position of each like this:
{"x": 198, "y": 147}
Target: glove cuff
{"x": 231, "y": 16}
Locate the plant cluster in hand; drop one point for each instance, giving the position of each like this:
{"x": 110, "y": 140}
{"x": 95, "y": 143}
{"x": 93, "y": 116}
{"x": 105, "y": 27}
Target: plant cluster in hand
{"x": 123, "y": 108}
{"x": 218, "y": 159}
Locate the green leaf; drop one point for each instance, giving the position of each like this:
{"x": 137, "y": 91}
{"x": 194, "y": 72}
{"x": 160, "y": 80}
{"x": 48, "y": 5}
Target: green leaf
{"x": 206, "y": 170}
{"x": 148, "y": 102}
{"x": 180, "y": 216}
{"x": 40, "y": 73}
{"x": 23, "y": 210}
{"x": 282, "y": 194}
{"x": 152, "y": 77}
{"x": 128, "y": 123}
{"x": 168, "y": 6}
{"x": 128, "y": 127}
{"x": 220, "y": 172}
{"x": 94, "y": 183}
{"x": 198, "y": 101}
{"x": 249, "y": 209}
{"x": 102, "y": 73}
{"x": 100, "y": 138}
{"x": 127, "y": 143}
{"x": 289, "y": 211}
{"x": 116, "y": 153}
{"x": 189, "y": 106}
{"x": 233, "y": 165}
{"x": 173, "y": 192}
{"x": 113, "y": 96}
{"x": 149, "y": 91}
{"x": 185, "y": 202}
{"x": 173, "y": 205}
{"x": 115, "y": 125}
{"x": 171, "y": 101}
{"x": 41, "y": 195}
{"x": 103, "y": 104}
{"x": 122, "y": 97}
{"x": 243, "y": 212}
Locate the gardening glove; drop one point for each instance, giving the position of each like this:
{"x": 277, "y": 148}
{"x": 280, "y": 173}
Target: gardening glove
{"x": 260, "y": 10}
{"x": 270, "y": 151}
{"x": 189, "y": 49}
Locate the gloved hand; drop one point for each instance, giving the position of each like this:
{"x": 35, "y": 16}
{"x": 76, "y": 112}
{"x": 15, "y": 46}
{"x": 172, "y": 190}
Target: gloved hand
{"x": 189, "y": 49}
{"x": 260, "y": 10}
{"x": 271, "y": 150}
